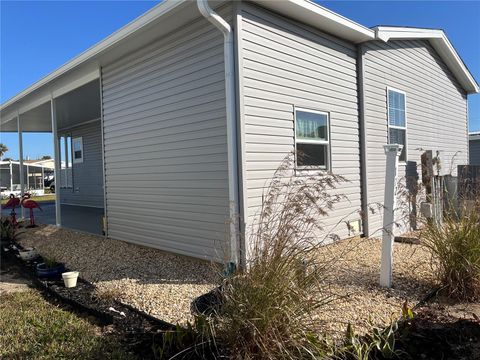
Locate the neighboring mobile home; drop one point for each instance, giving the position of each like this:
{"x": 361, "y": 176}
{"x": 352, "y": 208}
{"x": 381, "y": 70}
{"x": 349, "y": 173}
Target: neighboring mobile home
{"x": 474, "y": 148}
{"x": 175, "y": 123}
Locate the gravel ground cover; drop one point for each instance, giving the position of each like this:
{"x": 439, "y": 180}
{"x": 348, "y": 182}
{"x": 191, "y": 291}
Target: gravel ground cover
{"x": 159, "y": 283}
{"x": 354, "y": 281}
{"x": 164, "y": 284}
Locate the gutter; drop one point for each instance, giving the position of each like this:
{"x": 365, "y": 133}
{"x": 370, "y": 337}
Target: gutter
{"x": 229, "y": 62}
{"x": 363, "y": 139}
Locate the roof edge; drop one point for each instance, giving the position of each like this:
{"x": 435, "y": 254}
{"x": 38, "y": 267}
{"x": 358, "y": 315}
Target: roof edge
{"x": 102, "y": 45}
{"x": 442, "y": 45}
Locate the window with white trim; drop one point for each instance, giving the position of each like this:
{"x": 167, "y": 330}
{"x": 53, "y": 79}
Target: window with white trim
{"x": 65, "y": 147}
{"x": 77, "y": 150}
{"x": 312, "y": 139}
{"x": 397, "y": 120}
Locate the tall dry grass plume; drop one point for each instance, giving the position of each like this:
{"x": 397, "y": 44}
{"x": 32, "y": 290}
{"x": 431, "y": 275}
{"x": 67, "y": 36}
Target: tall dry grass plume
{"x": 455, "y": 245}
{"x": 269, "y": 306}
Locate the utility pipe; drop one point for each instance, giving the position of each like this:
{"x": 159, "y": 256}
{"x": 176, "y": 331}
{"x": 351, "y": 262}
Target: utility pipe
{"x": 363, "y": 139}
{"x": 229, "y": 61}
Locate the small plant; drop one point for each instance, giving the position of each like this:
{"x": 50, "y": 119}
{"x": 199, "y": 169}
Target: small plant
{"x": 455, "y": 248}
{"x": 50, "y": 263}
{"x": 380, "y": 342}
{"x": 195, "y": 341}
{"x": 107, "y": 294}
{"x": 8, "y": 230}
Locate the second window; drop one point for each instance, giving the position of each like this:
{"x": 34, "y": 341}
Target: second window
{"x": 312, "y": 139}
{"x": 397, "y": 120}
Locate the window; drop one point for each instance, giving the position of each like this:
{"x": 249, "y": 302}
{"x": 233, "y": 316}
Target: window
{"x": 66, "y": 178}
{"x": 77, "y": 144}
{"x": 397, "y": 120}
{"x": 312, "y": 139}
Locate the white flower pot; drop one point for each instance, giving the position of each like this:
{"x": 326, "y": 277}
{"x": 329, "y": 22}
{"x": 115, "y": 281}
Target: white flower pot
{"x": 28, "y": 254}
{"x": 70, "y": 278}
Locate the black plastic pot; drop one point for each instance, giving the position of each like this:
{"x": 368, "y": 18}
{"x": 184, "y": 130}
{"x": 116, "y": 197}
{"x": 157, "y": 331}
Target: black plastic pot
{"x": 208, "y": 304}
{"x": 44, "y": 271}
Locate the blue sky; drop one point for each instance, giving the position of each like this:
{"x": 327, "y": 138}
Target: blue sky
{"x": 37, "y": 37}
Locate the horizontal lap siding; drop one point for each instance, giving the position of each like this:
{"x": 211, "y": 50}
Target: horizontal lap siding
{"x": 436, "y": 110}
{"x": 166, "y": 144}
{"x": 287, "y": 65}
{"x": 474, "y": 152}
{"x": 87, "y": 176}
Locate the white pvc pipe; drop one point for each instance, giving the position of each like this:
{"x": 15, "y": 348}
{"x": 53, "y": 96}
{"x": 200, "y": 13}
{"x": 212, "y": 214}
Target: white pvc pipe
{"x": 229, "y": 61}
{"x": 392, "y": 151}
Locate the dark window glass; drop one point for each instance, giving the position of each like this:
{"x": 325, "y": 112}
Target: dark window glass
{"x": 312, "y": 155}
{"x": 397, "y": 136}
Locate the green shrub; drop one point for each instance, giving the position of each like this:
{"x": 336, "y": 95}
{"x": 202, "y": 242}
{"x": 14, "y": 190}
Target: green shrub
{"x": 8, "y": 231}
{"x": 455, "y": 248}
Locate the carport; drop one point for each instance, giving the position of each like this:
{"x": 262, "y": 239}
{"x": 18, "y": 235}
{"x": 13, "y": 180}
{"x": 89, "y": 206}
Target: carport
{"x": 71, "y": 110}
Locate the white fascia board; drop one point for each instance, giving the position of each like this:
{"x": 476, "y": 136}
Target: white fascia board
{"x": 474, "y": 136}
{"x": 312, "y": 14}
{"x": 100, "y": 47}
{"x": 440, "y": 43}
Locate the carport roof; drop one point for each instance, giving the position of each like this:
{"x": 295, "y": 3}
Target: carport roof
{"x": 173, "y": 13}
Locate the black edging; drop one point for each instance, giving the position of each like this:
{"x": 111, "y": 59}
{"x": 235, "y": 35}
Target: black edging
{"x": 161, "y": 323}
{"x": 105, "y": 317}
{"x": 432, "y": 293}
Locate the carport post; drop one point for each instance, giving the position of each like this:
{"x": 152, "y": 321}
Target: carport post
{"x": 11, "y": 176}
{"x": 28, "y": 179}
{"x": 20, "y": 157}
{"x": 56, "y": 151}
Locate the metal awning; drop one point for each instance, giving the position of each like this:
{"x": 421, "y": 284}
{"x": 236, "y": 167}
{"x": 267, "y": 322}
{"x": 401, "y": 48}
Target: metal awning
{"x": 75, "y": 107}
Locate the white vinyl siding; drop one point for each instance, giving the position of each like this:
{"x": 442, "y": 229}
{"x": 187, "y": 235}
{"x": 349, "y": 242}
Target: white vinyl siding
{"x": 286, "y": 65}
{"x": 166, "y": 143}
{"x": 436, "y": 109}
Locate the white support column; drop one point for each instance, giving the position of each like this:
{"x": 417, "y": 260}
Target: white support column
{"x": 56, "y": 151}
{"x": 28, "y": 179}
{"x": 11, "y": 176}
{"x": 392, "y": 151}
{"x": 43, "y": 180}
{"x": 20, "y": 158}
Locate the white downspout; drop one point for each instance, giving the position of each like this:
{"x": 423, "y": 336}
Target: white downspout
{"x": 227, "y": 31}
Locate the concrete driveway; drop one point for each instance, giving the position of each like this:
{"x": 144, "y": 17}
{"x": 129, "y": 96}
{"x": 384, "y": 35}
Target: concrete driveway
{"x": 80, "y": 218}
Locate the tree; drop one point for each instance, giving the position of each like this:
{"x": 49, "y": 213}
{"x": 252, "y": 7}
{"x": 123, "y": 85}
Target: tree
{"x": 3, "y": 149}
{"x": 46, "y": 157}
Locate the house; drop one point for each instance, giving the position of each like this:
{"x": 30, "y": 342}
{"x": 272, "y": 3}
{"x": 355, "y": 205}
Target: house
{"x": 174, "y": 124}
{"x": 33, "y": 173}
{"x": 474, "y": 148}
{"x": 47, "y": 163}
